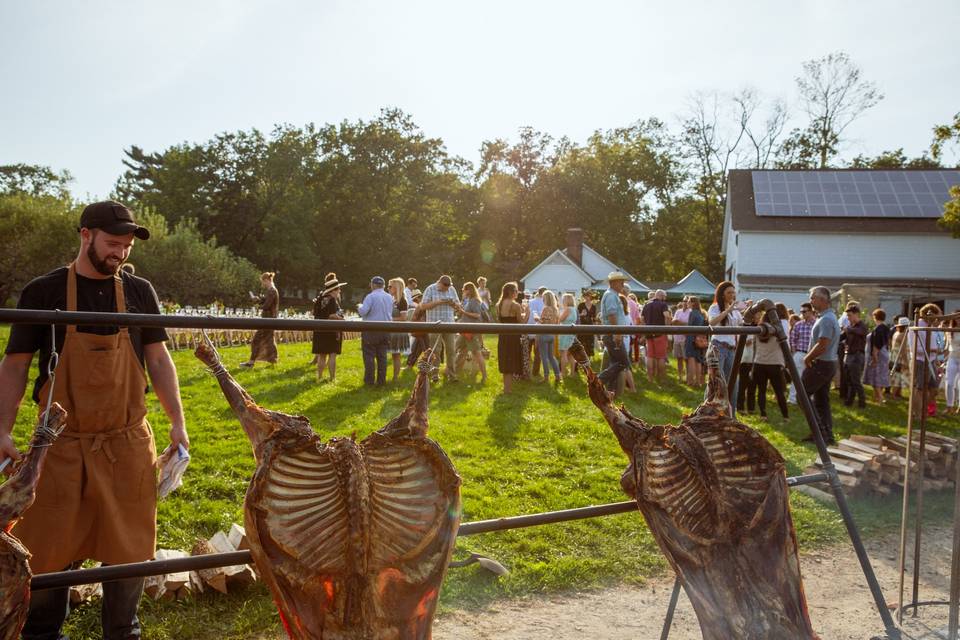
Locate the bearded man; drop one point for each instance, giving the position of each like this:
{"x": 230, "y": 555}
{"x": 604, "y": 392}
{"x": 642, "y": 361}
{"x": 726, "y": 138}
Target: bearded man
{"x": 97, "y": 498}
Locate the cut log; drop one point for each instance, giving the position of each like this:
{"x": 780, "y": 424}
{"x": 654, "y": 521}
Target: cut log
{"x": 174, "y": 581}
{"x": 870, "y": 441}
{"x": 852, "y": 445}
{"x": 237, "y": 575}
{"x": 837, "y": 452}
{"x": 238, "y": 537}
{"x": 214, "y": 578}
{"x": 196, "y": 582}
{"x": 83, "y": 592}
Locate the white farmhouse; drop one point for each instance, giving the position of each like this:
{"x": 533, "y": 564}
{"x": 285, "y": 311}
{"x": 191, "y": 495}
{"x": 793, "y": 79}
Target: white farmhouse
{"x": 869, "y": 235}
{"x": 576, "y": 268}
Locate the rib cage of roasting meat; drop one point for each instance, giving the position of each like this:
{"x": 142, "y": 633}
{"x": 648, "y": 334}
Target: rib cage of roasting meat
{"x": 353, "y": 538}
{"x": 714, "y": 494}
{"x": 16, "y": 495}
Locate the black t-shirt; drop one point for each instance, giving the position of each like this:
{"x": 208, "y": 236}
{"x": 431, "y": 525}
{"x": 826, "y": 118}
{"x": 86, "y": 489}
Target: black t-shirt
{"x": 653, "y": 312}
{"x": 49, "y": 292}
{"x": 880, "y": 336}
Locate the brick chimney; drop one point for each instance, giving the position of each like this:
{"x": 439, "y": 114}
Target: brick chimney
{"x": 575, "y": 246}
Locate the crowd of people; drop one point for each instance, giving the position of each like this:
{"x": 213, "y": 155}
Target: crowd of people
{"x": 850, "y": 353}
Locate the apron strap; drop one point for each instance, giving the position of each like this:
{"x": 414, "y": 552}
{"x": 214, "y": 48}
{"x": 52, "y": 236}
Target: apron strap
{"x": 72, "y": 293}
{"x": 120, "y": 299}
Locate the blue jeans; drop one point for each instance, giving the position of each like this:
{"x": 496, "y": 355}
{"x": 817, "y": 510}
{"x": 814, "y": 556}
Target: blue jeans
{"x": 118, "y": 611}
{"x": 545, "y": 345}
{"x": 374, "y": 347}
{"x": 726, "y": 356}
{"x": 619, "y": 361}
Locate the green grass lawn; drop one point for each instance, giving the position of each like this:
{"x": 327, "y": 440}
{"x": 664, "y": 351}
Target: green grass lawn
{"x": 537, "y": 450}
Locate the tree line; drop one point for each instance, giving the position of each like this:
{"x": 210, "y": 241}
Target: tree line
{"x": 382, "y": 197}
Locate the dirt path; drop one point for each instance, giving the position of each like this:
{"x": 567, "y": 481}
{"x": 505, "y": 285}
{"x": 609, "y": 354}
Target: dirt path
{"x": 840, "y": 604}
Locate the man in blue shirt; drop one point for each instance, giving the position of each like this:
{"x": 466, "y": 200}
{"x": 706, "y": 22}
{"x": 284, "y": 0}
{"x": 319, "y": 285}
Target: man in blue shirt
{"x": 377, "y": 306}
{"x": 612, "y": 313}
{"x": 821, "y": 361}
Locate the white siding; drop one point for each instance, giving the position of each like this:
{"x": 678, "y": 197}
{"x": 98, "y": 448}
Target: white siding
{"x": 841, "y": 255}
{"x": 893, "y": 305}
{"x": 790, "y": 297}
{"x": 596, "y": 265}
{"x": 730, "y": 253}
{"x": 557, "y": 278}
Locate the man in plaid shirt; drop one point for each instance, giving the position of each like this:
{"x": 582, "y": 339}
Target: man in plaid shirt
{"x": 441, "y": 302}
{"x": 800, "y": 343}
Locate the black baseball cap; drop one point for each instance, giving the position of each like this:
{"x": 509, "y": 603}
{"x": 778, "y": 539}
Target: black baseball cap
{"x": 112, "y": 217}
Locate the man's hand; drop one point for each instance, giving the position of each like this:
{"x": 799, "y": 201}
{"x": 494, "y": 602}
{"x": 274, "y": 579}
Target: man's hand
{"x": 164, "y": 377}
{"x": 8, "y": 449}
{"x": 178, "y": 436}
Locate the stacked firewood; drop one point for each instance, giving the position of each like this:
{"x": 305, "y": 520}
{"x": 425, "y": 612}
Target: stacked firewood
{"x": 179, "y": 585}
{"x": 874, "y": 465}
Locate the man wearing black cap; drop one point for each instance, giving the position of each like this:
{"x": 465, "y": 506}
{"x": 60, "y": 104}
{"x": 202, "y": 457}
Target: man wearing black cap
{"x": 97, "y": 496}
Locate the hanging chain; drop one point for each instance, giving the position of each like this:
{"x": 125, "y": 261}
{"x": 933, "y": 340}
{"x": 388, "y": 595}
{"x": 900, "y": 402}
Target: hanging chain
{"x": 46, "y": 435}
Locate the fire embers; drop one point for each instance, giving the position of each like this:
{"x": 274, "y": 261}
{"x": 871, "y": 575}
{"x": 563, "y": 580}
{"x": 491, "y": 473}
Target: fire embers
{"x": 16, "y": 495}
{"x": 353, "y": 538}
{"x": 714, "y": 494}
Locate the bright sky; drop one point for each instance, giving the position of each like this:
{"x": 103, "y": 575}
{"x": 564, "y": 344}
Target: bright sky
{"x": 83, "y": 80}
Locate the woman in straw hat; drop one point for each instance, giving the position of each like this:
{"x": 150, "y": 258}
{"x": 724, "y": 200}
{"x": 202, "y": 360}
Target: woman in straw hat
{"x": 327, "y": 344}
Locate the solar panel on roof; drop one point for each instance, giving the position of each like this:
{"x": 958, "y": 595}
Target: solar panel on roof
{"x": 853, "y": 194}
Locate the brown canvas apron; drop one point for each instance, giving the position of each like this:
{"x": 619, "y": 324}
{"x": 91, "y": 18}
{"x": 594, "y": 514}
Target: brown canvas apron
{"x": 97, "y": 496}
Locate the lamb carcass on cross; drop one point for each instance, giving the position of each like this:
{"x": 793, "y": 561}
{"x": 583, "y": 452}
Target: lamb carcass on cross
{"x": 353, "y": 538}
{"x": 16, "y": 495}
{"x": 714, "y": 494}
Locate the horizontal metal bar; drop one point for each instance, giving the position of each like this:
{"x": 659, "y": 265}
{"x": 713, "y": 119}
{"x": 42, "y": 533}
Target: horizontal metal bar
{"x": 550, "y": 517}
{"x": 796, "y": 481}
{"x": 209, "y": 561}
{"x": 88, "y": 318}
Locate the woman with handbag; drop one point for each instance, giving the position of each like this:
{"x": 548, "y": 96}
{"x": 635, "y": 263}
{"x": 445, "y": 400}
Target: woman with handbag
{"x": 695, "y": 348}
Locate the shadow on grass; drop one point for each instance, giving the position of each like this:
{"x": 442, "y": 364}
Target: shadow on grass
{"x": 506, "y": 417}
{"x": 335, "y": 408}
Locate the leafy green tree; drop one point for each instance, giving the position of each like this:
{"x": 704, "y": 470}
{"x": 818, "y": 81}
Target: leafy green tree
{"x": 533, "y": 190}
{"x": 39, "y": 234}
{"x": 357, "y": 198}
{"x": 34, "y": 180}
{"x": 943, "y": 136}
{"x": 894, "y": 160}
{"x": 186, "y": 269}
